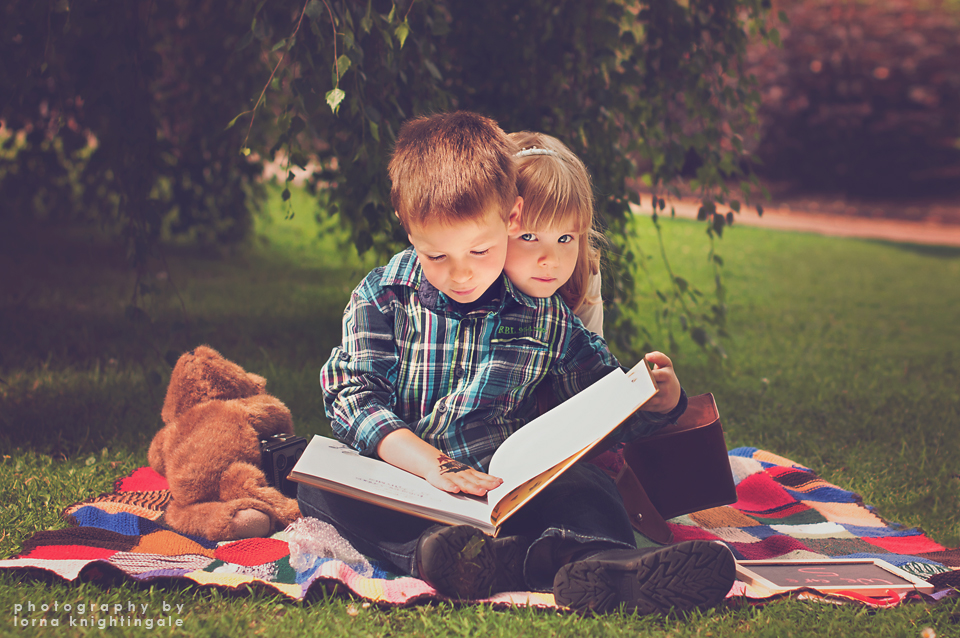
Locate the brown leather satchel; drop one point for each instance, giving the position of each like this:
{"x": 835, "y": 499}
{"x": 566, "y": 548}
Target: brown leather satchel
{"x": 683, "y": 468}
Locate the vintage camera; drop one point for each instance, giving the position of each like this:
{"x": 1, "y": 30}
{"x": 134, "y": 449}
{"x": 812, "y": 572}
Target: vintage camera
{"x": 278, "y": 455}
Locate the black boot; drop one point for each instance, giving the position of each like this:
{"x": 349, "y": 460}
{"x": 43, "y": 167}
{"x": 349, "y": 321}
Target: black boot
{"x": 463, "y": 562}
{"x": 692, "y": 574}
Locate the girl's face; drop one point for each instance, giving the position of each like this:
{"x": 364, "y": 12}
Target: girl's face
{"x": 540, "y": 261}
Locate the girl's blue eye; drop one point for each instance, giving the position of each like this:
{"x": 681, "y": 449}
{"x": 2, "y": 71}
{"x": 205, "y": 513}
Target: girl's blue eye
{"x": 528, "y": 237}
{"x": 565, "y": 239}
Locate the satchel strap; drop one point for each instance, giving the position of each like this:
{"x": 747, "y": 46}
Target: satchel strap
{"x": 643, "y": 515}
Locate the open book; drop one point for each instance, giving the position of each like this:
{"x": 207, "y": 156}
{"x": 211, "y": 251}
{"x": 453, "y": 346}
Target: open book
{"x": 529, "y": 460}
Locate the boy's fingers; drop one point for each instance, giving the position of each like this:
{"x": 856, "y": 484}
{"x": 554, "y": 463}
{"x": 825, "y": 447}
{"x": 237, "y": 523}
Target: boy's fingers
{"x": 476, "y": 482}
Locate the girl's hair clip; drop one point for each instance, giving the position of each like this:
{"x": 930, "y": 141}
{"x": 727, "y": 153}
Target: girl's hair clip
{"x": 538, "y": 151}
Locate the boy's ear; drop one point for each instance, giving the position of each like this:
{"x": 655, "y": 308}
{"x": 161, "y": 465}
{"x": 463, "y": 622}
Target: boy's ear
{"x": 513, "y": 224}
{"x": 397, "y": 215}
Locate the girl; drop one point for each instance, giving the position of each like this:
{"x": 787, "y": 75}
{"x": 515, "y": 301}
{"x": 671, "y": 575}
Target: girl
{"x": 554, "y": 247}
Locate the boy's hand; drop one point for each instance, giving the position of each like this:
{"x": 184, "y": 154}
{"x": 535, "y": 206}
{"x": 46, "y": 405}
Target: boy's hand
{"x": 454, "y": 476}
{"x": 667, "y": 383}
{"x": 409, "y": 452}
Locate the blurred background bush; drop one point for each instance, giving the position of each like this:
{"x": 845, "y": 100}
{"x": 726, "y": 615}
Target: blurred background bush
{"x": 862, "y": 98}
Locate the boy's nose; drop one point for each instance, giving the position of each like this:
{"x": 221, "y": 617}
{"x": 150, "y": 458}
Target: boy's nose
{"x": 460, "y": 273}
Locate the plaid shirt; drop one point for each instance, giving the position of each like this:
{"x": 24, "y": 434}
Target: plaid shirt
{"x": 462, "y": 382}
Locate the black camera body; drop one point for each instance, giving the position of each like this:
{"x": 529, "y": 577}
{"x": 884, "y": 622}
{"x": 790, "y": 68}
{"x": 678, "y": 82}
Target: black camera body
{"x": 278, "y": 455}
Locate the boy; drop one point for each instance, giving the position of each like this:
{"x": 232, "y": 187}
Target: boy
{"x": 438, "y": 365}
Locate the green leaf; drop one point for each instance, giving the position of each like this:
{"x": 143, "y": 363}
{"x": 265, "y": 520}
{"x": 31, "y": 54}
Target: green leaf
{"x": 759, "y": 210}
{"x": 279, "y": 45}
{"x": 374, "y": 130}
{"x": 402, "y": 31}
{"x": 366, "y": 22}
{"x": 299, "y": 159}
{"x": 285, "y": 195}
{"x": 234, "y": 121}
{"x": 432, "y": 68}
{"x": 334, "y": 97}
{"x": 314, "y": 9}
{"x": 245, "y": 41}
{"x": 718, "y": 223}
{"x": 343, "y": 65}
{"x": 245, "y": 151}
{"x": 681, "y": 283}
{"x": 296, "y": 125}
{"x": 699, "y": 335}
{"x": 735, "y": 205}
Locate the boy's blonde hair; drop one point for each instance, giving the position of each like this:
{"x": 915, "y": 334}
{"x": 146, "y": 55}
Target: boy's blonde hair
{"x": 452, "y": 167}
{"x": 556, "y": 188}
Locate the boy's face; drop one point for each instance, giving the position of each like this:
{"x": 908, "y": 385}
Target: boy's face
{"x": 540, "y": 261}
{"x": 463, "y": 259}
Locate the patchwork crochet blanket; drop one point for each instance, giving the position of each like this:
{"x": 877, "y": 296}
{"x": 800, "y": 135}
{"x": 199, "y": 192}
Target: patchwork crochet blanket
{"x": 784, "y": 511}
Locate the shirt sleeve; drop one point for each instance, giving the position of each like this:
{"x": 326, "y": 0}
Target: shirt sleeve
{"x": 587, "y": 360}
{"x": 358, "y": 381}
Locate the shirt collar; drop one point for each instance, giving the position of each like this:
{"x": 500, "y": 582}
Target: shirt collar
{"x": 403, "y": 269}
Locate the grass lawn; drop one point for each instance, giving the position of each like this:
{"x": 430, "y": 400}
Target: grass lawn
{"x": 844, "y": 356}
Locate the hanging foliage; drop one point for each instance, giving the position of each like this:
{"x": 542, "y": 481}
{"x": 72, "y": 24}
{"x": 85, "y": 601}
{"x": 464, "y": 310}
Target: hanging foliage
{"x": 157, "y": 117}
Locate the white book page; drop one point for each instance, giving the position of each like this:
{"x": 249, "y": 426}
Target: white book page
{"x": 575, "y": 425}
{"x": 338, "y": 464}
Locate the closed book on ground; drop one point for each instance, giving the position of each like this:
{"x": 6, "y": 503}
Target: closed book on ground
{"x": 529, "y": 460}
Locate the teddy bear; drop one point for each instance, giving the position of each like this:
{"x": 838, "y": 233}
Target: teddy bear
{"x": 215, "y": 415}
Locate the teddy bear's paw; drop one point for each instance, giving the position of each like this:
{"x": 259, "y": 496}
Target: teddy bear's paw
{"x": 249, "y": 523}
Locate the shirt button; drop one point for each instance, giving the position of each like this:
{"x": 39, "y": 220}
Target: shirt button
{"x": 441, "y": 407}
{"x": 458, "y": 371}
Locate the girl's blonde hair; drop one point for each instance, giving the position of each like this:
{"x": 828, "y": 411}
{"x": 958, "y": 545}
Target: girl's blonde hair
{"x": 556, "y": 188}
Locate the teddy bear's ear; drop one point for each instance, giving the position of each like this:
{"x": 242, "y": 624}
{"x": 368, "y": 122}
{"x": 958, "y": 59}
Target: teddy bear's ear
{"x": 177, "y": 393}
{"x": 259, "y": 381}
{"x": 206, "y": 352}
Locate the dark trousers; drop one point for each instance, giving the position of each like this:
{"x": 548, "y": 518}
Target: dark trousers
{"x": 580, "y": 511}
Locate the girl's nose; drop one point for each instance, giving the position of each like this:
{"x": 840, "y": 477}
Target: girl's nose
{"x": 548, "y": 257}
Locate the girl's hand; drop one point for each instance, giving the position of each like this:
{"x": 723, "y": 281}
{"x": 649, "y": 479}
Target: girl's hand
{"x": 454, "y": 476}
{"x": 667, "y": 383}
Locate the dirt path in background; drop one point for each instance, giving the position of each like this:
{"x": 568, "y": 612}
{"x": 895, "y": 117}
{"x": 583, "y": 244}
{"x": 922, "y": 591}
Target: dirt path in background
{"x": 944, "y": 231}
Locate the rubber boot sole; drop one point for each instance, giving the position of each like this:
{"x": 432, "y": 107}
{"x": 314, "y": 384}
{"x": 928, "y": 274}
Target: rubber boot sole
{"x": 690, "y": 575}
{"x": 463, "y": 562}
